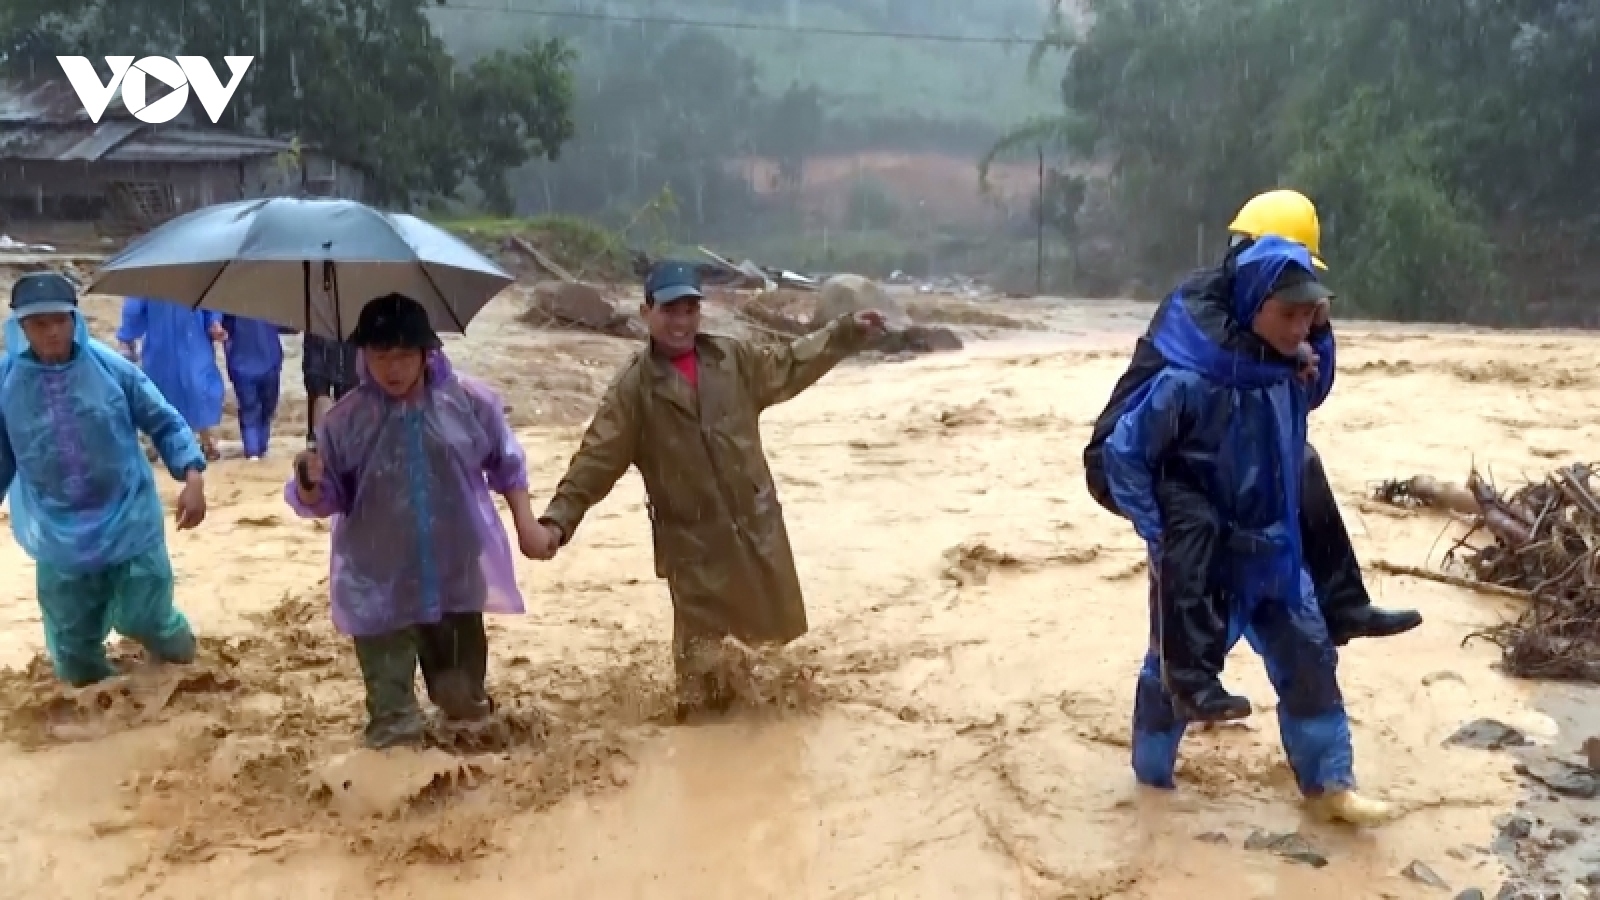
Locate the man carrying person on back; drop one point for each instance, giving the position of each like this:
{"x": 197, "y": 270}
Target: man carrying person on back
{"x": 1207, "y": 463}
{"x": 1329, "y": 556}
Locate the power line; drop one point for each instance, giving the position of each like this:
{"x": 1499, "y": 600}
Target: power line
{"x": 740, "y": 26}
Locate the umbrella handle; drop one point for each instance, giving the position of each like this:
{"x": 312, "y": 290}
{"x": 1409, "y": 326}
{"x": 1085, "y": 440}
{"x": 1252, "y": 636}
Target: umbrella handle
{"x": 302, "y": 475}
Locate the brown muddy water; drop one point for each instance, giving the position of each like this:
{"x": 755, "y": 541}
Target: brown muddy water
{"x": 956, "y": 726}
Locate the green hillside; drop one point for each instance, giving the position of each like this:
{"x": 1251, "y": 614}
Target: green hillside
{"x": 863, "y": 77}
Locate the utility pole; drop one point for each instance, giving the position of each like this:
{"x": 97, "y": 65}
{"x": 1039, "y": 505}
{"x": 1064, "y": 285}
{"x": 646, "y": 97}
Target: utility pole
{"x": 1038, "y": 265}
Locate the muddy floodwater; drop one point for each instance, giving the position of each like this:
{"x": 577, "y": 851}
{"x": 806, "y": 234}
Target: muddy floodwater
{"x": 955, "y": 726}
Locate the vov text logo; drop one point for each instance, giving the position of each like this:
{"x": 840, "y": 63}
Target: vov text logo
{"x": 180, "y": 75}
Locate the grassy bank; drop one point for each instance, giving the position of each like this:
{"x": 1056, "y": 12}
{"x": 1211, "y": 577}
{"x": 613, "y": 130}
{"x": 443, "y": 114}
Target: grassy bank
{"x": 593, "y": 251}
{"x": 586, "y": 249}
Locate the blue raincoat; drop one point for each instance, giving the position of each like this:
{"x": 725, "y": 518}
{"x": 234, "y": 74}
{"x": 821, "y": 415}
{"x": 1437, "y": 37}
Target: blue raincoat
{"x": 254, "y": 347}
{"x": 1234, "y": 419}
{"x": 178, "y": 356}
{"x": 255, "y": 365}
{"x": 83, "y": 498}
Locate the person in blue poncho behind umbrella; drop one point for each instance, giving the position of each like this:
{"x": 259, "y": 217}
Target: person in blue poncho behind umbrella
{"x": 179, "y": 358}
{"x": 254, "y": 353}
{"x": 1216, "y": 441}
{"x": 83, "y": 498}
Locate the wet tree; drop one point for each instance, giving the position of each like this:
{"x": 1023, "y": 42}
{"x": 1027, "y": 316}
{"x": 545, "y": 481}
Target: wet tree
{"x": 1451, "y": 146}
{"x": 793, "y": 132}
{"x": 505, "y": 109}
{"x": 665, "y": 110}
{"x": 367, "y": 81}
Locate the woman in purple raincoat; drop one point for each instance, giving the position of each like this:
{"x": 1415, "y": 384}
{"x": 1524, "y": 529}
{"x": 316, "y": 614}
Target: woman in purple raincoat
{"x": 405, "y": 465}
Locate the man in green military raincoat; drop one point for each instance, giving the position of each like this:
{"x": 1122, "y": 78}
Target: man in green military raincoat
{"x": 686, "y": 411}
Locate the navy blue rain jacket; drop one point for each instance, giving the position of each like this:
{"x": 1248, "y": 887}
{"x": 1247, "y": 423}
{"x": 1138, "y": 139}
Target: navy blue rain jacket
{"x": 1228, "y": 416}
{"x": 254, "y": 348}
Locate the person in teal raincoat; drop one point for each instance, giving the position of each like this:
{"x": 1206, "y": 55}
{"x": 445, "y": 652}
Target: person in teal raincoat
{"x": 178, "y": 356}
{"x": 83, "y": 498}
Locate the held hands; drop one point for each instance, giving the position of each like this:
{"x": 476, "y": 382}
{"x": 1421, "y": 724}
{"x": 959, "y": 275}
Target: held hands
{"x": 538, "y": 541}
{"x": 535, "y": 539}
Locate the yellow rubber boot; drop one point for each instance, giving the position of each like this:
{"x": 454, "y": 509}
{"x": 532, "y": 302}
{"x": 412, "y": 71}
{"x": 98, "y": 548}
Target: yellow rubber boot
{"x": 1350, "y": 808}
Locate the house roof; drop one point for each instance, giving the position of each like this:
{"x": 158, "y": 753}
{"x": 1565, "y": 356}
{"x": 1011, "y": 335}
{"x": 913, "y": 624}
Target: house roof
{"x": 44, "y": 120}
{"x": 195, "y": 143}
{"x": 44, "y": 100}
{"x": 132, "y": 142}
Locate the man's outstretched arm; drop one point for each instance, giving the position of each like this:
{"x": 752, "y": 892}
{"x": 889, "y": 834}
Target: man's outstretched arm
{"x": 778, "y": 373}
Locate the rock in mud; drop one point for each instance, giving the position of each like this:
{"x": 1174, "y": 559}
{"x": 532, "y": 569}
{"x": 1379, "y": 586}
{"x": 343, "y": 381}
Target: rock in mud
{"x": 914, "y": 341}
{"x": 1564, "y": 778}
{"x": 1487, "y": 734}
{"x": 930, "y": 339}
{"x": 1591, "y": 752}
{"x": 1470, "y": 894}
{"x": 1212, "y": 837}
{"x": 843, "y": 295}
{"x": 1291, "y": 846}
{"x": 1516, "y": 828}
{"x": 1419, "y": 872}
{"x": 1566, "y": 835}
{"x": 1513, "y": 890}
{"x": 577, "y": 305}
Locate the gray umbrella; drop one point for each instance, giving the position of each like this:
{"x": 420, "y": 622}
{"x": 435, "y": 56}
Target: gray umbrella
{"x": 304, "y": 263}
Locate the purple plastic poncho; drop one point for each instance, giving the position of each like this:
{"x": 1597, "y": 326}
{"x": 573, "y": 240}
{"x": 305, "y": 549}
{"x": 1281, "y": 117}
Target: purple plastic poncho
{"x": 415, "y": 531}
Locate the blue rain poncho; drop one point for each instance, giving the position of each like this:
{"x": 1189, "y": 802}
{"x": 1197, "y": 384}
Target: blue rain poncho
{"x": 178, "y": 356}
{"x": 83, "y": 497}
{"x": 1233, "y": 420}
{"x": 254, "y": 348}
{"x": 254, "y": 351}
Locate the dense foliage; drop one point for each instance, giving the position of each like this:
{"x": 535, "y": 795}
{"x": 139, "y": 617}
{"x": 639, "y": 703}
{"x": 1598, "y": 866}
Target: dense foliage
{"x": 1450, "y": 144}
{"x": 863, "y": 78}
{"x": 670, "y": 116}
{"x": 368, "y": 81}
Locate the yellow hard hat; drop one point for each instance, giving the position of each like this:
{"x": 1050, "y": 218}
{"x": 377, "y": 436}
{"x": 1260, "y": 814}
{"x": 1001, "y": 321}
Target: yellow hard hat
{"x": 1282, "y": 213}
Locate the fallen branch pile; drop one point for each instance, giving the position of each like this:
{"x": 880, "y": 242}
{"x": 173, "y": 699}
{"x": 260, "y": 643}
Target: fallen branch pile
{"x": 1545, "y": 543}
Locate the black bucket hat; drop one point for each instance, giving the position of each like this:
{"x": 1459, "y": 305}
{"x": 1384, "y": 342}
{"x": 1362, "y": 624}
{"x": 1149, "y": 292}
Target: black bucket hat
{"x": 394, "y": 322}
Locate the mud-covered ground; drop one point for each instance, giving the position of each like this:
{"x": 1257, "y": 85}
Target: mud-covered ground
{"x": 956, "y": 725}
